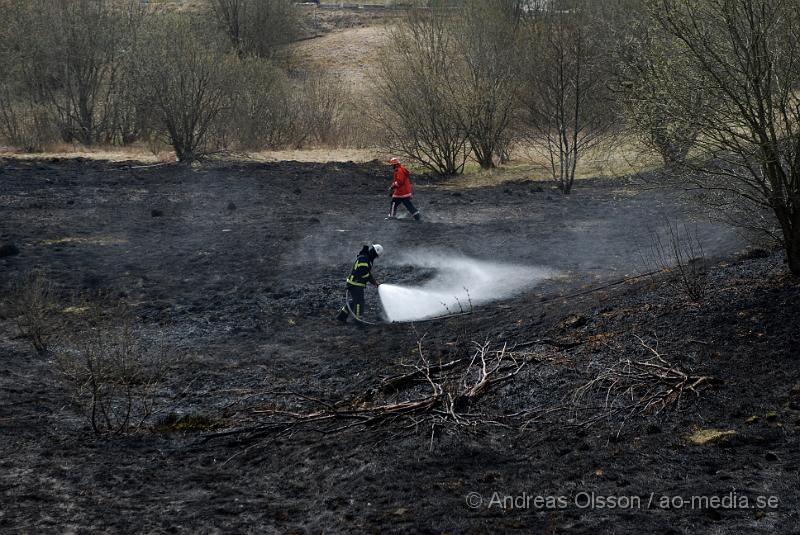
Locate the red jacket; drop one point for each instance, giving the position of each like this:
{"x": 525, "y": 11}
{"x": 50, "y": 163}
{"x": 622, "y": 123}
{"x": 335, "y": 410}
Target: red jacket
{"x": 401, "y": 187}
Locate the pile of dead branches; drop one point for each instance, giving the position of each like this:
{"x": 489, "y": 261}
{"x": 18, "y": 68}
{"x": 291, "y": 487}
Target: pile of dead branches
{"x": 445, "y": 395}
{"x": 637, "y": 388}
{"x": 436, "y": 395}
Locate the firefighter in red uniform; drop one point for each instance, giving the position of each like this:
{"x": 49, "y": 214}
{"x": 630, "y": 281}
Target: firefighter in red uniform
{"x": 401, "y": 191}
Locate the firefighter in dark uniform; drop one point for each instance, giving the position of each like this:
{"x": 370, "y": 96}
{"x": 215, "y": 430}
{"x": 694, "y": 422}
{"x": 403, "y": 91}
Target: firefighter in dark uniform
{"x": 357, "y": 282}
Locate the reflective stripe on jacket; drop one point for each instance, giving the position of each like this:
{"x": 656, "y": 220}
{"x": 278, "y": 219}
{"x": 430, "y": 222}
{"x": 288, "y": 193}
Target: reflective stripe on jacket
{"x": 362, "y": 271}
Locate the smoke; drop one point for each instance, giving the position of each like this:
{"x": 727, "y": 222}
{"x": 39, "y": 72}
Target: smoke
{"x": 458, "y": 284}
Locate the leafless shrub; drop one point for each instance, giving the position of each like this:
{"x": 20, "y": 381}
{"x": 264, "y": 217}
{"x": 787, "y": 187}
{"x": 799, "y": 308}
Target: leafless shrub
{"x": 678, "y": 252}
{"x": 185, "y": 84}
{"x": 23, "y": 123}
{"x": 564, "y": 97}
{"x": 418, "y": 112}
{"x": 358, "y": 126}
{"x": 33, "y": 308}
{"x": 323, "y": 98}
{"x": 111, "y": 372}
{"x": 261, "y": 113}
{"x": 268, "y": 109}
{"x": 257, "y": 27}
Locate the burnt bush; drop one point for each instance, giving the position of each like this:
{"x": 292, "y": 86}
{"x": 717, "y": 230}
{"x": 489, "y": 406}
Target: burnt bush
{"x": 111, "y": 372}
{"x": 33, "y": 307}
{"x": 678, "y": 252}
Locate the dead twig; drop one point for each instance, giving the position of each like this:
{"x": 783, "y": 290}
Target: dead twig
{"x": 444, "y": 394}
{"x": 637, "y": 387}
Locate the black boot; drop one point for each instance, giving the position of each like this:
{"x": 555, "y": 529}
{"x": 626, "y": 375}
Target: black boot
{"x": 342, "y": 315}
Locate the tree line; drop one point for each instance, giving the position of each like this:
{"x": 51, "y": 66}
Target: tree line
{"x": 114, "y": 72}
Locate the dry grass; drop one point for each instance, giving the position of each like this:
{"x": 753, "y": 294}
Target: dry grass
{"x": 526, "y": 164}
{"x": 179, "y": 5}
{"x": 710, "y": 437}
{"x": 611, "y": 160}
{"x": 319, "y": 155}
{"x": 119, "y": 154}
{"x": 347, "y": 54}
{"x": 619, "y": 160}
{"x": 113, "y": 154}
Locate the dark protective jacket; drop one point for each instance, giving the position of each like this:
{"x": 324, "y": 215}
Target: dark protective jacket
{"x": 362, "y": 270}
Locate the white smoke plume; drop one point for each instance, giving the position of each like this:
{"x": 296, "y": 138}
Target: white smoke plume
{"x": 458, "y": 284}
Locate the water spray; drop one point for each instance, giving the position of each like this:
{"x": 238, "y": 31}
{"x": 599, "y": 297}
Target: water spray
{"x": 458, "y": 285}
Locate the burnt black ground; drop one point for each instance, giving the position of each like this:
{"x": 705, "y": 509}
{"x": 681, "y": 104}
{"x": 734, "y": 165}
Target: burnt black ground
{"x": 243, "y": 298}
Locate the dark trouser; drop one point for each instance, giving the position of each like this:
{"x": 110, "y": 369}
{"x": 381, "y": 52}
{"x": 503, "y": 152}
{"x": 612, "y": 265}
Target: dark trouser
{"x": 407, "y": 203}
{"x": 355, "y": 294}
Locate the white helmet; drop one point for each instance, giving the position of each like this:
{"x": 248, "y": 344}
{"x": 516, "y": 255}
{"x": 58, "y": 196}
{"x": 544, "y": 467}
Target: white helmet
{"x": 378, "y": 248}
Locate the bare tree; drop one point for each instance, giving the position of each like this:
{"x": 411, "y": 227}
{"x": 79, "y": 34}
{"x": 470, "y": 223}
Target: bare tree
{"x": 747, "y": 53}
{"x": 257, "y": 27}
{"x": 565, "y": 96}
{"x": 185, "y": 83}
{"x": 483, "y": 78}
{"x": 420, "y": 117}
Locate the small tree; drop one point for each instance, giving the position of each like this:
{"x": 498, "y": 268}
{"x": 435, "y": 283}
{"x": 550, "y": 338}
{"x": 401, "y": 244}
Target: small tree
{"x": 186, "y": 84}
{"x": 257, "y": 27}
{"x": 564, "y": 97}
{"x": 482, "y": 80}
{"x": 420, "y": 116}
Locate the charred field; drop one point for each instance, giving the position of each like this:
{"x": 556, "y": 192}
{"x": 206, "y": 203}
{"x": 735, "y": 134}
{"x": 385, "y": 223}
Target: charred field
{"x": 269, "y": 417}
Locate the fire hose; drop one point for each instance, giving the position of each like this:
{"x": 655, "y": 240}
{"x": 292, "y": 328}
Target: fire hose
{"x": 347, "y": 304}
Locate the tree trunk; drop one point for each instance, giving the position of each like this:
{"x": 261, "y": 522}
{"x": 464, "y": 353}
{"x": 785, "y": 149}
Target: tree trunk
{"x": 789, "y": 219}
{"x": 486, "y": 163}
{"x": 792, "y": 246}
{"x": 484, "y": 155}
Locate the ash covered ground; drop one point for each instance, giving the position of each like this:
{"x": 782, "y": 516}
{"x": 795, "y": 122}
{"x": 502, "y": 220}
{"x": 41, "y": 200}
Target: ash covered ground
{"x": 238, "y": 268}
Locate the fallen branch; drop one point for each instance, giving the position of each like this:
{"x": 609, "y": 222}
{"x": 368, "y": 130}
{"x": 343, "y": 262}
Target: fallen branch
{"x": 638, "y": 387}
{"x": 446, "y": 399}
